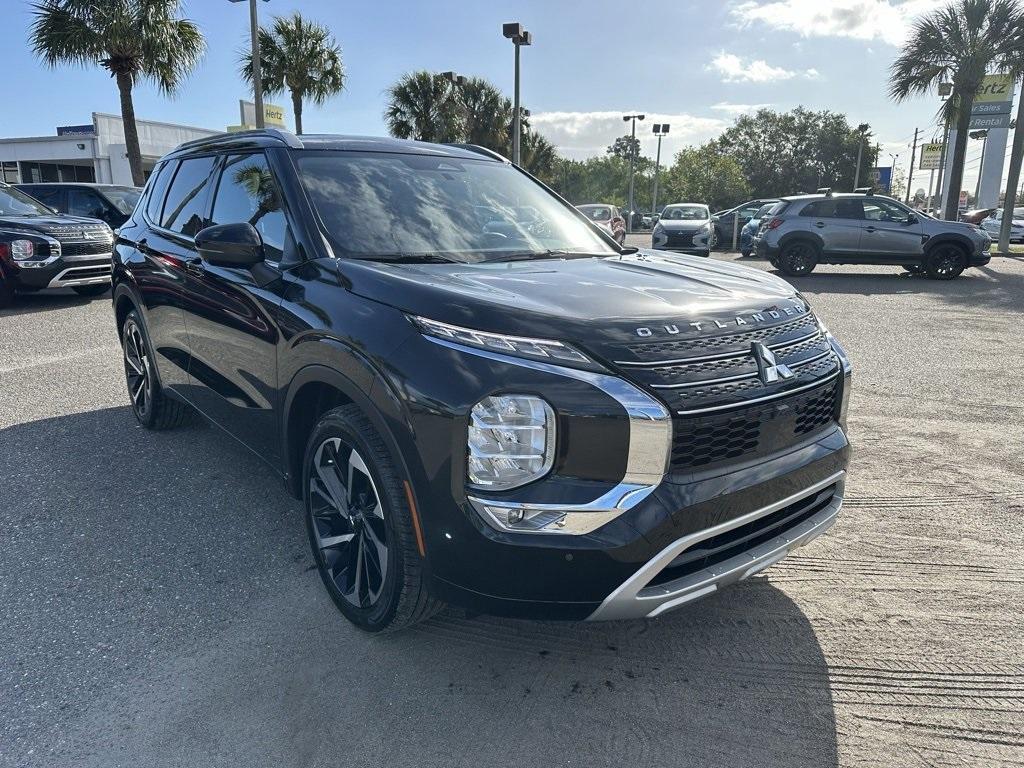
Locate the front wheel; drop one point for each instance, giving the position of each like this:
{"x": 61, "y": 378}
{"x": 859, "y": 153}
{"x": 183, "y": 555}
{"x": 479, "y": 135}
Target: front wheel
{"x": 945, "y": 262}
{"x": 91, "y": 290}
{"x": 798, "y": 259}
{"x": 366, "y": 542}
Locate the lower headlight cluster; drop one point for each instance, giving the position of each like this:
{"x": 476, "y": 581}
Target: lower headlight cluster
{"x": 511, "y": 441}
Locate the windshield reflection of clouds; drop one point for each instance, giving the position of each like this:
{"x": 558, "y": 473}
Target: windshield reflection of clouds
{"x": 379, "y": 204}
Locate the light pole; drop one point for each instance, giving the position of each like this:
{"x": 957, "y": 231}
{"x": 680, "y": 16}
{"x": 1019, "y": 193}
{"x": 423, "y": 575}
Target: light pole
{"x": 514, "y": 31}
{"x": 862, "y": 129}
{"x": 257, "y": 74}
{"x": 892, "y": 170}
{"x": 660, "y": 130}
{"x": 632, "y": 164}
{"x": 983, "y": 135}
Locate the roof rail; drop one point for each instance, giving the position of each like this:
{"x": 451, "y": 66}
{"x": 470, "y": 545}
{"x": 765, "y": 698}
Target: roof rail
{"x": 864, "y": 191}
{"x": 827, "y": 191}
{"x": 479, "y": 150}
{"x": 286, "y": 137}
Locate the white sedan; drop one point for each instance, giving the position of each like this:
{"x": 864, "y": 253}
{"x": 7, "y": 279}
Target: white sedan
{"x": 995, "y": 221}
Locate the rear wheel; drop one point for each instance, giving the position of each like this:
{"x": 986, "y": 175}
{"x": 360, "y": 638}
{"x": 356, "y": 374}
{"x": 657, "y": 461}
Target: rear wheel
{"x": 798, "y": 258}
{"x": 945, "y": 261}
{"x": 361, "y": 528}
{"x": 151, "y": 406}
{"x": 91, "y": 290}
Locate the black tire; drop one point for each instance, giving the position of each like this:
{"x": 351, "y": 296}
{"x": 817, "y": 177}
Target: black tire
{"x": 151, "y": 406}
{"x": 945, "y": 261}
{"x": 377, "y": 590}
{"x": 913, "y": 269}
{"x": 798, "y": 258}
{"x": 91, "y": 290}
{"x": 6, "y": 292}
{"x": 745, "y": 253}
{"x": 717, "y": 240}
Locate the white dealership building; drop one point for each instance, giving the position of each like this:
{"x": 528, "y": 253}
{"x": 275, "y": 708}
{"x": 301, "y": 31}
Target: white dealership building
{"x": 90, "y": 152}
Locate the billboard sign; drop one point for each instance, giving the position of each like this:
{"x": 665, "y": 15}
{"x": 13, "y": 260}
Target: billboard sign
{"x": 931, "y": 156}
{"x": 881, "y": 178}
{"x": 273, "y": 115}
{"x": 992, "y": 103}
{"x": 76, "y": 130}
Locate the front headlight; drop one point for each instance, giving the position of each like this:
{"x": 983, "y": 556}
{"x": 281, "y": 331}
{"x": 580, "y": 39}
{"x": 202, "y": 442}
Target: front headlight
{"x": 535, "y": 349}
{"x": 22, "y": 250}
{"x": 511, "y": 442}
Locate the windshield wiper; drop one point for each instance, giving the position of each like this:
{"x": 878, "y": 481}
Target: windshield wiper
{"x": 550, "y": 254}
{"x": 409, "y": 258}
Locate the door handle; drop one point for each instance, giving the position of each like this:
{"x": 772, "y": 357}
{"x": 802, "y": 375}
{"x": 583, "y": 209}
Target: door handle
{"x": 871, "y": 229}
{"x": 195, "y": 267}
{"x": 820, "y": 225}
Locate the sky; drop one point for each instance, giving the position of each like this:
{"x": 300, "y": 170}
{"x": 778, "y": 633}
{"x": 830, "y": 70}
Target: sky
{"x": 694, "y": 64}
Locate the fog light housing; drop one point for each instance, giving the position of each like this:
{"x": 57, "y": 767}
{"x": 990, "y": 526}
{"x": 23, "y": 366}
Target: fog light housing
{"x": 510, "y": 441}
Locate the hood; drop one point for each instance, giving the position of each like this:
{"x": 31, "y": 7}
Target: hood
{"x": 683, "y": 225}
{"x": 55, "y": 224}
{"x": 585, "y": 300}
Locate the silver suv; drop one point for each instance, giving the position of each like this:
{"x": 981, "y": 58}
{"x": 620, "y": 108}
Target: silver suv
{"x": 804, "y": 231}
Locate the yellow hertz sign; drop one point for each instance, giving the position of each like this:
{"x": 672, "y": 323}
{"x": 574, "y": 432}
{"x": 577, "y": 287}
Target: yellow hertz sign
{"x": 994, "y": 88}
{"x": 273, "y": 114}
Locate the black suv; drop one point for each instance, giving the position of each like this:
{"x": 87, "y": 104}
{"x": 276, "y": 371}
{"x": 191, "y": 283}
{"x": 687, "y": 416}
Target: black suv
{"x": 42, "y": 249}
{"x": 112, "y": 203}
{"x": 480, "y": 398}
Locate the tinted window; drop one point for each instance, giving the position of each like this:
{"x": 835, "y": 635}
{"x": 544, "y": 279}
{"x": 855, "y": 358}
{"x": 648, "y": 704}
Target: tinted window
{"x": 883, "y": 210}
{"x": 247, "y": 192}
{"x": 85, "y": 202}
{"x": 834, "y": 209}
{"x": 47, "y": 196}
{"x": 822, "y": 209}
{"x": 185, "y": 207}
{"x": 158, "y": 188}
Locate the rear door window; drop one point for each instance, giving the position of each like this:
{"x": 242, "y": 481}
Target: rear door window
{"x": 185, "y": 207}
{"x": 158, "y": 189}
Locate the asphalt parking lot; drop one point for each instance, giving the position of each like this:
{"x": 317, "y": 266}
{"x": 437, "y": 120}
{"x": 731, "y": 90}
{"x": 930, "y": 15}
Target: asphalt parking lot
{"x": 159, "y": 606}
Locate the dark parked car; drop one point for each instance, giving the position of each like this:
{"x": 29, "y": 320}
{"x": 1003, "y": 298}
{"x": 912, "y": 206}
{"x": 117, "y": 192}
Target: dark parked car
{"x": 111, "y": 203}
{"x": 42, "y": 249}
{"x": 734, "y": 219}
{"x": 529, "y": 422}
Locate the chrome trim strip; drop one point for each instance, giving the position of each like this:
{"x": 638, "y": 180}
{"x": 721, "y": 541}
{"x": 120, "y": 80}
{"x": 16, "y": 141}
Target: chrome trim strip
{"x": 634, "y": 599}
{"x": 764, "y": 399}
{"x": 716, "y": 356}
{"x": 647, "y": 459}
{"x": 798, "y": 363}
{"x": 105, "y": 256}
{"x": 706, "y": 382}
{"x": 66, "y": 280}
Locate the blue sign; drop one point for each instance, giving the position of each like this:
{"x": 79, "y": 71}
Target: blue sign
{"x": 881, "y": 178}
{"x": 76, "y": 130}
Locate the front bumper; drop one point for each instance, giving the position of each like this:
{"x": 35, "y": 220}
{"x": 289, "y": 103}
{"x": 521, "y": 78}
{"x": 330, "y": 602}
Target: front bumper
{"x": 64, "y": 272}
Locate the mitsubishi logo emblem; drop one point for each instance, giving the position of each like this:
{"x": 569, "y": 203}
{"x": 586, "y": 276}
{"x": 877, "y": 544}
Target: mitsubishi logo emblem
{"x": 768, "y": 369}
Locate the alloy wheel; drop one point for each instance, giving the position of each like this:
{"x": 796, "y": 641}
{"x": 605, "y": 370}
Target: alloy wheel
{"x": 946, "y": 262}
{"x": 348, "y": 522}
{"x": 137, "y": 370}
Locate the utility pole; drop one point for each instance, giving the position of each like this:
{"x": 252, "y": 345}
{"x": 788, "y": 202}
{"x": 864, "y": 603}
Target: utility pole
{"x": 983, "y": 135}
{"x": 910, "y": 173}
{"x": 945, "y": 91}
{"x": 514, "y": 31}
{"x": 660, "y": 130}
{"x": 632, "y": 164}
{"x": 257, "y": 74}
{"x": 862, "y": 129}
{"x": 892, "y": 169}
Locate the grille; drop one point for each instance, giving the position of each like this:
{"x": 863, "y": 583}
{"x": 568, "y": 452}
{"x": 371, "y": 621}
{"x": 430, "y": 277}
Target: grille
{"x": 72, "y": 231}
{"x": 713, "y": 344}
{"x": 679, "y": 239}
{"x": 718, "y": 549}
{"x": 85, "y": 248}
{"x": 703, "y": 442}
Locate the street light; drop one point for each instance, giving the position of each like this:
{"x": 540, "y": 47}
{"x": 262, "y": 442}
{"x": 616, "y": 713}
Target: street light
{"x": 660, "y": 130}
{"x": 983, "y": 135}
{"x": 892, "y": 169}
{"x": 632, "y": 164}
{"x": 514, "y": 31}
{"x": 862, "y": 129}
{"x": 257, "y": 75}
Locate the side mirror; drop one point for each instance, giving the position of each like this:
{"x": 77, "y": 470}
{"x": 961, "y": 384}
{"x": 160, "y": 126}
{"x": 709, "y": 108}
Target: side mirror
{"x": 912, "y": 219}
{"x": 230, "y": 245}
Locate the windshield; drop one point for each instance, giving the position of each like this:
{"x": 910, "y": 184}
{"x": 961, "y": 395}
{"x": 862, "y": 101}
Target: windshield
{"x": 763, "y": 210}
{"x": 16, "y": 203}
{"x": 123, "y": 198}
{"x": 413, "y": 207}
{"x": 595, "y": 212}
{"x": 690, "y": 212}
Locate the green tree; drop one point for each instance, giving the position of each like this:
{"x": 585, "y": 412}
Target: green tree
{"x": 705, "y": 174}
{"x": 957, "y": 44}
{"x": 538, "y": 156}
{"x": 298, "y": 56}
{"x": 131, "y": 39}
{"x": 781, "y": 153}
{"x": 624, "y": 146}
{"x": 424, "y": 106}
{"x": 487, "y": 114}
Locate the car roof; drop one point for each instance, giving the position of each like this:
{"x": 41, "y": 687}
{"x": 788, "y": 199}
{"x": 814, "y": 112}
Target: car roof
{"x": 92, "y": 184}
{"x": 835, "y": 195}
{"x": 273, "y": 137}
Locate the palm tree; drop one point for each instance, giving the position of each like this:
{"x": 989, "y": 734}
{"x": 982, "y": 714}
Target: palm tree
{"x": 487, "y": 114}
{"x": 131, "y": 39}
{"x": 301, "y": 57}
{"x": 537, "y": 155}
{"x": 426, "y": 107}
{"x": 958, "y": 44}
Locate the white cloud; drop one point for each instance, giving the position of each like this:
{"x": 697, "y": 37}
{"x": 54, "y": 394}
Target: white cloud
{"x": 579, "y": 135}
{"x": 737, "y": 109}
{"x": 884, "y": 20}
{"x": 733, "y": 69}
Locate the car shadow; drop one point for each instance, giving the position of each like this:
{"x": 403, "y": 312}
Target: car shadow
{"x": 47, "y": 301}
{"x": 169, "y": 575}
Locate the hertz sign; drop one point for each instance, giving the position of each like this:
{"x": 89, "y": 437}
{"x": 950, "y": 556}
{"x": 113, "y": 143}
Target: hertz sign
{"x": 992, "y": 103}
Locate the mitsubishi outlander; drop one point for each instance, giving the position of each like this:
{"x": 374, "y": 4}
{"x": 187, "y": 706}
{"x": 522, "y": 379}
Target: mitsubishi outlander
{"x": 480, "y": 398}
